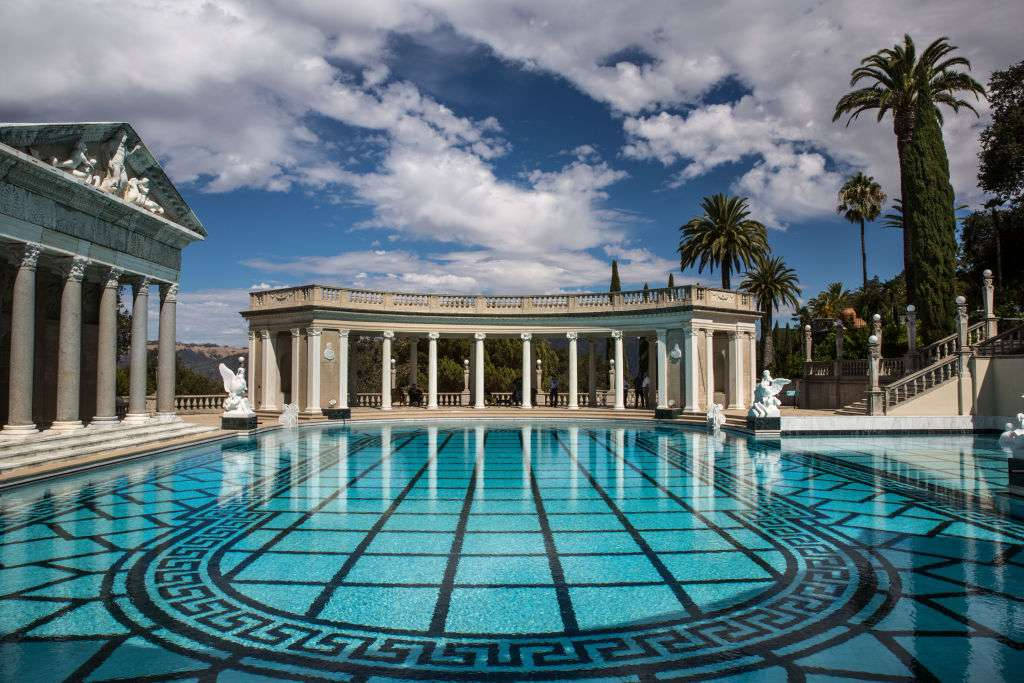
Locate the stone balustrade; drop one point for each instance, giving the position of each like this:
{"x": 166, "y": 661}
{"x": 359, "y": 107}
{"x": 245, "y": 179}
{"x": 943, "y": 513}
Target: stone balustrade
{"x": 534, "y": 304}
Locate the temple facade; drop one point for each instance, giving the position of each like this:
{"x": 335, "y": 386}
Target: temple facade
{"x": 703, "y": 342}
{"x": 85, "y": 209}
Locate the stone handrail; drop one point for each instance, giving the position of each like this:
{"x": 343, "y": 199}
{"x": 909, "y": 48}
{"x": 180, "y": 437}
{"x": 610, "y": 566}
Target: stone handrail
{"x": 1008, "y": 343}
{"x": 533, "y": 304}
{"x": 819, "y": 368}
{"x": 918, "y": 382}
{"x": 184, "y": 404}
{"x": 857, "y": 367}
{"x": 947, "y": 346}
{"x": 891, "y": 367}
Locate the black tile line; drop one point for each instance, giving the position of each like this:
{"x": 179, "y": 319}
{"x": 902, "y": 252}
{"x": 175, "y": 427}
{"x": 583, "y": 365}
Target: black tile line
{"x": 321, "y": 600}
{"x": 254, "y": 555}
{"x": 670, "y": 580}
{"x": 721, "y": 531}
{"x": 444, "y": 597}
{"x": 569, "y": 621}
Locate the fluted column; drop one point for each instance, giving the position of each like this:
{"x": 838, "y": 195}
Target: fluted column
{"x": 137, "y": 413}
{"x": 106, "y": 352}
{"x": 808, "y": 344}
{"x": 165, "y": 360}
{"x": 735, "y": 371}
{"x": 250, "y": 379}
{"x": 69, "y": 347}
{"x": 23, "y": 329}
{"x": 343, "y": 369}
{"x": 414, "y": 362}
{"x": 385, "y": 370}
{"x": 478, "y": 379}
{"x": 988, "y": 302}
{"x": 592, "y": 373}
{"x": 573, "y": 378}
{"x": 662, "y": 352}
{"x": 709, "y": 367}
{"x": 690, "y": 370}
{"x": 527, "y": 371}
{"x": 313, "y": 371}
{"x": 432, "y": 338}
{"x": 620, "y": 403}
{"x": 293, "y": 397}
{"x": 268, "y": 397}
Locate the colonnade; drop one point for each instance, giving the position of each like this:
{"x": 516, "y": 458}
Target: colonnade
{"x": 697, "y": 355}
{"x": 72, "y": 272}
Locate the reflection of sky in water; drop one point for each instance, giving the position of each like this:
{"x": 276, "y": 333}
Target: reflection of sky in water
{"x": 490, "y": 532}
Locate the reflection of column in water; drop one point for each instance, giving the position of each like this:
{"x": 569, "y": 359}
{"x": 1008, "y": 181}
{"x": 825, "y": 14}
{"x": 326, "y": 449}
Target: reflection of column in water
{"x": 432, "y": 462}
{"x": 385, "y": 471}
{"x": 479, "y": 454}
{"x": 574, "y": 453}
{"x": 311, "y": 457}
{"x": 342, "y": 473}
{"x": 235, "y": 470}
{"x": 268, "y": 466}
{"x": 620, "y": 463}
{"x": 709, "y": 459}
{"x": 295, "y": 447}
{"x": 663, "y": 460}
{"x": 741, "y": 462}
{"x": 527, "y": 433}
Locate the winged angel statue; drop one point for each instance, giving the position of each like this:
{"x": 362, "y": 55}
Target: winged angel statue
{"x": 236, "y": 404}
{"x": 765, "y": 402}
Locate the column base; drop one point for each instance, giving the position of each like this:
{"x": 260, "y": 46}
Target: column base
{"x": 166, "y": 417}
{"x": 18, "y": 431}
{"x": 105, "y": 422}
{"x": 619, "y": 408}
{"x": 430, "y": 407}
{"x": 385, "y": 407}
{"x": 478, "y": 407}
{"x": 66, "y": 426}
{"x": 316, "y": 412}
{"x": 135, "y": 419}
{"x": 573, "y": 407}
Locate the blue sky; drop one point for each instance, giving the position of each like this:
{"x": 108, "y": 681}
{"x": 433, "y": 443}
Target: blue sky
{"x": 505, "y": 146}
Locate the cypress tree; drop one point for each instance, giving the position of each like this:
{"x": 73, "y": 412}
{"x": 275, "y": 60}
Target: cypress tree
{"x": 671, "y": 281}
{"x": 616, "y": 286}
{"x": 929, "y": 216}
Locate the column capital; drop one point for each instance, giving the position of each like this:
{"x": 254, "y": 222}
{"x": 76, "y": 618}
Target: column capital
{"x": 479, "y": 336}
{"x": 388, "y": 334}
{"x": 296, "y": 331}
{"x": 27, "y": 255}
{"x": 616, "y": 334}
{"x": 343, "y": 334}
{"x": 74, "y": 269}
{"x": 112, "y": 277}
{"x": 252, "y": 334}
{"x": 264, "y": 334}
{"x": 433, "y": 335}
{"x": 572, "y": 336}
{"x": 734, "y": 335}
{"x": 141, "y": 283}
{"x": 689, "y": 332}
{"x": 661, "y": 331}
{"x": 169, "y": 291}
{"x": 526, "y": 336}
{"x": 314, "y": 331}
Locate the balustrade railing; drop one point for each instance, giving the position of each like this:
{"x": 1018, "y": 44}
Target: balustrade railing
{"x": 1008, "y": 343}
{"x": 918, "y": 382}
{"x": 857, "y": 367}
{"x": 505, "y": 304}
{"x": 891, "y": 367}
{"x": 819, "y": 368}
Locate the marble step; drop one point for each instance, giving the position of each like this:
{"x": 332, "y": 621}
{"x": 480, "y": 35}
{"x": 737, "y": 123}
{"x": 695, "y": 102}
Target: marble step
{"x": 84, "y": 443}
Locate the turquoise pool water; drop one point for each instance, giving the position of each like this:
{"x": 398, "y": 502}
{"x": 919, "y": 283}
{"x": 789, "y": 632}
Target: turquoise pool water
{"x": 516, "y": 551}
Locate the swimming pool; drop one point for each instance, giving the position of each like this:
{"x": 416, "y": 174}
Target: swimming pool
{"x": 540, "y": 550}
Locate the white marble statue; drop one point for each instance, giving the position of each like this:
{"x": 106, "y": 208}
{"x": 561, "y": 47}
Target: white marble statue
{"x": 716, "y": 417}
{"x": 765, "y": 402}
{"x": 289, "y": 416}
{"x": 78, "y": 163}
{"x": 1012, "y": 440}
{"x": 137, "y": 192}
{"x": 236, "y": 404}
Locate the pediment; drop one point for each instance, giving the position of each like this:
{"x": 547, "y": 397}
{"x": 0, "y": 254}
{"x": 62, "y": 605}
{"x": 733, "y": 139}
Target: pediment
{"x": 107, "y": 156}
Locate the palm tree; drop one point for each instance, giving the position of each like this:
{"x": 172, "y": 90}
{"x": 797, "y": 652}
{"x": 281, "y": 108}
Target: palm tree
{"x": 861, "y": 200}
{"x": 772, "y": 284}
{"x": 831, "y": 302}
{"x": 724, "y": 237}
{"x": 901, "y": 83}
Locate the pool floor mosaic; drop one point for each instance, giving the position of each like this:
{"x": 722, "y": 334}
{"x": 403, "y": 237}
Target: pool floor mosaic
{"x": 529, "y": 551}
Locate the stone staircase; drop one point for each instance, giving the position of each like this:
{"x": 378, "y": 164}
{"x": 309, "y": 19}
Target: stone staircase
{"x": 46, "y": 448}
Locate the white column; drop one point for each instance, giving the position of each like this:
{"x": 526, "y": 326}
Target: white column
{"x": 296, "y": 376}
{"x": 343, "y": 369}
{"x": 592, "y": 373}
{"x": 106, "y": 352}
{"x": 23, "y": 343}
{"x": 709, "y": 366}
{"x": 527, "y": 369}
{"x": 251, "y": 374}
{"x": 478, "y": 371}
{"x": 662, "y": 369}
{"x": 313, "y": 371}
{"x": 620, "y": 403}
{"x": 137, "y": 413}
{"x": 69, "y": 351}
{"x": 690, "y": 365}
{"x": 751, "y": 367}
{"x": 268, "y": 401}
{"x": 735, "y": 371}
{"x": 573, "y": 379}
{"x": 385, "y": 370}
{"x": 432, "y": 338}
{"x": 414, "y": 362}
{"x": 166, "y": 353}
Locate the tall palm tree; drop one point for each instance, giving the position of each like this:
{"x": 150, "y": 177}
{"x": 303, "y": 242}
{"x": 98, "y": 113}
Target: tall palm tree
{"x": 724, "y": 237}
{"x": 861, "y": 200}
{"x": 901, "y": 83}
{"x": 830, "y": 302}
{"x": 772, "y": 284}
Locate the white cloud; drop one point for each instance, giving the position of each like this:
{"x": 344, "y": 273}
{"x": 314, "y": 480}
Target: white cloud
{"x": 210, "y": 315}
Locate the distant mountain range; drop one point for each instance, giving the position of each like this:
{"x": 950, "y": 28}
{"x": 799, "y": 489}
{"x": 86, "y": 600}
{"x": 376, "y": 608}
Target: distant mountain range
{"x": 204, "y": 358}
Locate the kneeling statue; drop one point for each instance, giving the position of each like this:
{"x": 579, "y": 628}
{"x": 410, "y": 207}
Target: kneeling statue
{"x": 765, "y": 402}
